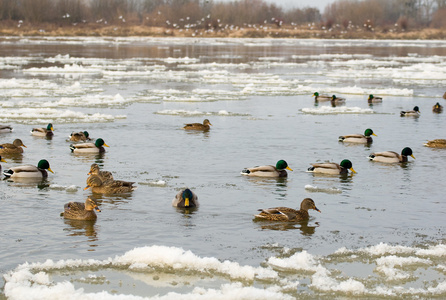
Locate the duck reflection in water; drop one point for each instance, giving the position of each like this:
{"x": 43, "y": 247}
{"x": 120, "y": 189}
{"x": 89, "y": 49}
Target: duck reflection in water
{"x": 82, "y": 228}
{"x": 303, "y": 226}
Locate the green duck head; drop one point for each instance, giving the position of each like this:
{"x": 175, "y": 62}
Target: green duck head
{"x": 407, "y": 152}
{"x": 45, "y": 165}
{"x": 282, "y": 165}
{"x": 371, "y": 97}
{"x": 316, "y": 94}
{"x": 100, "y": 142}
{"x": 86, "y": 134}
{"x": 49, "y": 126}
{"x": 347, "y": 165}
{"x": 186, "y": 195}
{"x": 333, "y": 97}
{"x": 369, "y": 132}
{"x": 416, "y": 108}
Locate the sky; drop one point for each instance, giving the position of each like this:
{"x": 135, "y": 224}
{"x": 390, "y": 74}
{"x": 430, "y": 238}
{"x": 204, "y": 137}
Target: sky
{"x": 297, "y": 3}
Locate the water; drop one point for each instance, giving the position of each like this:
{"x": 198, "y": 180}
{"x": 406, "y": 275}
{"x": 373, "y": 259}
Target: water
{"x": 381, "y": 232}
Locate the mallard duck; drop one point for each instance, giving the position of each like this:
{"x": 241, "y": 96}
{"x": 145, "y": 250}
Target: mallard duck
{"x": 14, "y": 148}
{"x": 268, "y": 171}
{"x": 81, "y": 136}
{"x": 109, "y": 187}
{"x": 29, "y": 171}
{"x": 335, "y": 100}
{"x": 332, "y": 168}
{"x": 81, "y": 211}
{"x": 410, "y": 113}
{"x": 104, "y": 175}
{"x": 198, "y": 126}
{"x": 185, "y": 199}
{"x": 437, "y": 143}
{"x": 358, "y": 138}
{"x": 48, "y": 131}
{"x": 1, "y": 160}
{"x": 391, "y": 156}
{"x": 5, "y": 128}
{"x": 318, "y": 97}
{"x": 96, "y": 147}
{"x": 437, "y": 108}
{"x": 288, "y": 214}
{"x": 373, "y": 99}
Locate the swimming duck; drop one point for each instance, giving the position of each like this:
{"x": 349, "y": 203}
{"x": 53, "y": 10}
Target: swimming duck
{"x": 373, "y": 99}
{"x": 48, "y": 131}
{"x": 318, "y": 97}
{"x": 109, "y": 187}
{"x": 288, "y": 214}
{"x": 29, "y": 171}
{"x": 96, "y": 147}
{"x": 81, "y": 211}
{"x": 5, "y": 128}
{"x": 81, "y": 136}
{"x": 437, "y": 143}
{"x": 268, "y": 171}
{"x": 358, "y": 138}
{"x": 104, "y": 175}
{"x": 410, "y": 113}
{"x": 437, "y": 108}
{"x": 198, "y": 126}
{"x": 332, "y": 168}
{"x": 391, "y": 156}
{"x": 185, "y": 199}
{"x": 1, "y": 160}
{"x": 14, "y": 148}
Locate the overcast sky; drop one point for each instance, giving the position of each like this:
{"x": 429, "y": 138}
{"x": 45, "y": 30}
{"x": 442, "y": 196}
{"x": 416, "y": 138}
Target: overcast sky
{"x": 296, "y": 3}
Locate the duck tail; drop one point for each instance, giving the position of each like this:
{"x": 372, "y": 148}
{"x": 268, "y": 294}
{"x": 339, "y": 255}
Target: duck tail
{"x": 341, "y": 138}
{"x": 245, "y": 172}
{"x": 371, "y": 156}
{"x": 8, "y": 173}
{"x": 72, "y": 148}
{"x": 311, "y": 169}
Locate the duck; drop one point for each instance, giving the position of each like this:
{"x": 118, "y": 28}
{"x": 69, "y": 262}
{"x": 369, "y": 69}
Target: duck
{"x": 14, "y": 148}
{"x": 1, "y": 160}
{"x": 374, "y": 99}
{"x": 336, "y": 100}
{"x": 410, "y": 113}
{"x": 96, "y": 147}
{"x": 185, "y": 199}
{"x": 358, "y": 138}
{"x": 391, "y": 156}
{"x": 437, "y": 143}
{"x": 81, "y": 136}
{"x": 81, "y": 211}
{"x": 437, "y": 108}
{"x": 286, "y": 214}
{"x": 332, "y": 168}
{"x": 268, "y": 171}
{"x": 198, "y": 126}
{"x": 109, "y": 187}
{"x": 318, "y": 97}
{"x": 29, "y": 171}
{"x": 48, "y": 131}
{"x": 104, "y": 175}
{"x": 5, "y": 128}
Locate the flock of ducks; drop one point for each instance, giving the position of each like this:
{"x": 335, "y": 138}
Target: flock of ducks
{"x": 100, "y": 181}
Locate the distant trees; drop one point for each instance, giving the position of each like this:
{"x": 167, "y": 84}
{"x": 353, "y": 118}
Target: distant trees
{"x": 213, "y": 14}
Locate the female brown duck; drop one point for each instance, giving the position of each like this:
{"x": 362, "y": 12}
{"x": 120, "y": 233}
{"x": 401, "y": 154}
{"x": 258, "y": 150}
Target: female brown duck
{"x": 81, "y": 211}
{"x": 198, "y": 126}
{"x": 288, "y": 214}
{"x": 109, "y": 187}
{"x": 14, "y": 148}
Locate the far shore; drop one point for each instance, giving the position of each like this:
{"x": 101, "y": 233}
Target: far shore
{"x": 268, "y": 31}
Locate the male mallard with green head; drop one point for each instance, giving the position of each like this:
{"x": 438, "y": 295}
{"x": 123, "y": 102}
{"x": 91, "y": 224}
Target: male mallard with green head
{"x": 410, "y": 113}
{"x": 358, "y": 138}
{"x": 14, "y": 148}
{"x": 81, "y": 211}
{"x": 185, "y": 199}
{"x": 391, "y": 156}
{"x": 373, "y": 99}
{"x": 96, "y": 147}
{"x": 437, "y": 108}
{"x": 81, "y": 136}
{"x": 332, "y": 168}
{"x": 288, "y": 214}
{"x": 198, "y": 126}
{"x": 437, "y": 143}
{"x": 318, "y": 97}
{"x": 44, "y": 132}
{"x": 29, "y": 171}
{"x": 109, "y": 187}
{"x": 336, "y": 100}
{"x": 268, "y": 171}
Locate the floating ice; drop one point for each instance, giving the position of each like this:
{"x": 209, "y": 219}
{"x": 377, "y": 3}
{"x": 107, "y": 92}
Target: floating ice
{"x": 328, "y": 110}
{"x": 315, "y": 189}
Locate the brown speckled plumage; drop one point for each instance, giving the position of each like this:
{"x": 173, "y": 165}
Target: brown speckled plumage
{"x": 81, "y": 211}
{"x": 198, "y": 126}
{"x": 286, "y": 214}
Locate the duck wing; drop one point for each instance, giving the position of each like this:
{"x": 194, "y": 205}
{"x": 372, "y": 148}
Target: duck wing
{"x": 333, "y": 166}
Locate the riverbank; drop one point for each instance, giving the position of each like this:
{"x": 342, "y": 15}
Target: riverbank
{"x": 250, "y": 31}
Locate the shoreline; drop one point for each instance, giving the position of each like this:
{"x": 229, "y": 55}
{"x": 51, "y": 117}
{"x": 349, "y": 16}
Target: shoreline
{"x": 302, "y": 32}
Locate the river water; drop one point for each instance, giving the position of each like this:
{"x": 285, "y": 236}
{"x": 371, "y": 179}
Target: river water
{"x": 380, "y": 233}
